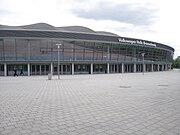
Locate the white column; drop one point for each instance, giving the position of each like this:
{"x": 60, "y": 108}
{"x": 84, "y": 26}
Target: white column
{"x": 134, "y": 68}
{"x": 72, "y": 68}
{"x": 91, "y": 68}
{"x": 144, "y": 67}
{"x": 122, "y": 67}
{"x": 5, "y": 69}
{"x": 158, "y": 67}
{"x": 107, "y": 68}
{"x": 28, "y": 69}
{"x": 162, "y": 67}
{"x": 51, "y": 68}
{"x": 152, "y": 70}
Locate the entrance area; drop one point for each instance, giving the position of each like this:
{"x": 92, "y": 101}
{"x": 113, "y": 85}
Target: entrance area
{"x": 139, "y": 67}
{"x": 148, "y": 67}
{"x": 99, "y": 68}
{"x": 64, "y": 69}
{"x": 26, "y": 69}
{"x": 21, "y": 69}
{"x": 82, "y": 69}
{"x": 155, "y": 67}
{"x": 115, "y": 68}
{"x": 37, "y": 69}
{"x": 128, "y": 68}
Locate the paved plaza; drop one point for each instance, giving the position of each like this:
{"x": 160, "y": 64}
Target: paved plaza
{"x": 106, "y": 104}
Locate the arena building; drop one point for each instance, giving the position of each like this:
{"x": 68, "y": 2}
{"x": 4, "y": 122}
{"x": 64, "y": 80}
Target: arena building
{"x": 33, "y": 50}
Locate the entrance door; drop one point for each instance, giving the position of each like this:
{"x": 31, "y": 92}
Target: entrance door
{"x": 20, "y": 68}
{"x": 67, "y": 69}
{"x": 1, "y": 70}
{"x": 100, "y": 68}
{"x": 82, "y": 68}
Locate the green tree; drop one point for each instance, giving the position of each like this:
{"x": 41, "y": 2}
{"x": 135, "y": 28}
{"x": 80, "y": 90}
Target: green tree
{"x": 176, "y": 62}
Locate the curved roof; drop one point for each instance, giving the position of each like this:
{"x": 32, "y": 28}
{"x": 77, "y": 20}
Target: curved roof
{"x": 107, "y": 33}
{"x": 45, "y": 26}
{"x": 36, "y": 26}
{"x": 42, "y": 30}
{"x": 78, "y": 29}
{"x": 9, "y": 27}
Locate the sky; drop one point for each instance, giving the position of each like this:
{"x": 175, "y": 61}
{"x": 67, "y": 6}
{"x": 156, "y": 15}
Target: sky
{"x": 153, "y": 20}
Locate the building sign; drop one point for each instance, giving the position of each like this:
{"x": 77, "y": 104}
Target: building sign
{"x": 141, "y": 42}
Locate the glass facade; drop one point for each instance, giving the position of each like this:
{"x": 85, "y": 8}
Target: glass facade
{"x": 46, "y": 50}
{"x": 41, "y": 52}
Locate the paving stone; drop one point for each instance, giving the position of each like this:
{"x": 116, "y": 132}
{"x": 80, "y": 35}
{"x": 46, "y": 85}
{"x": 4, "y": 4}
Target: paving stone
{"x": 119, "y": 104}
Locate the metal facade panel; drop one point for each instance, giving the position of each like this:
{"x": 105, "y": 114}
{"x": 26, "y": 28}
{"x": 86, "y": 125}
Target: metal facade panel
{"x": 67, "y": 35}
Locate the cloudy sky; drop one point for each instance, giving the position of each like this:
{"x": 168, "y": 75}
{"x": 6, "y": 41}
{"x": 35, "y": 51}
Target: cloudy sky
{"x": 155, "y": 20}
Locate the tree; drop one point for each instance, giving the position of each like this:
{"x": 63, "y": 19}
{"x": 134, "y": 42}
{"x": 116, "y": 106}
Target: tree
{"x": 176, "y": 62}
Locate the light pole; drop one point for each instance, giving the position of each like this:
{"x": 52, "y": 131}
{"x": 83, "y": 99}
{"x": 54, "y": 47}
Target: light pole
{"x": 142, "y": 54}
{"x": 58, "y": 45}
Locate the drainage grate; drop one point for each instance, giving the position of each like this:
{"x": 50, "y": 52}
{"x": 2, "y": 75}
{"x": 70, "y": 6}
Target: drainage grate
{"x": 124, "y": 86}
{"x": 163, "y": 85}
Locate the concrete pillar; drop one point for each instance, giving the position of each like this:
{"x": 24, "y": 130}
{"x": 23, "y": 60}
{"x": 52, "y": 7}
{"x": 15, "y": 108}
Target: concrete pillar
{"x": 158, "y": 67}
{"x": 107, "y": 68}
{"x": 51, "y": 68}
{"x": 5, "y": 69}
{"x": 134, "y": 68}
{"x": 162, "y": 67}
{"x": 144, "y": 67}
{"x": 122, "y": 65}
{"x": 72, "y": 70}
{"x": 91, "y": 68}
{"x": 152, "y": 68}
{"x": 28, "y": 69}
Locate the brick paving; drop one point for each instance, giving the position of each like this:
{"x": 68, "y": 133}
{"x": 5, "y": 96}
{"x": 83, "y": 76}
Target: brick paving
{"x": 114, "y": 104}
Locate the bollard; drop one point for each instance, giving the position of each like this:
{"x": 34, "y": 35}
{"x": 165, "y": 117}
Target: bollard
{"x": 49, "y": 76}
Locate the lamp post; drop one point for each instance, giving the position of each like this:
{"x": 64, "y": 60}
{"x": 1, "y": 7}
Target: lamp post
{"x": 58, "y": 45}
{"x": 142, "y": 54}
